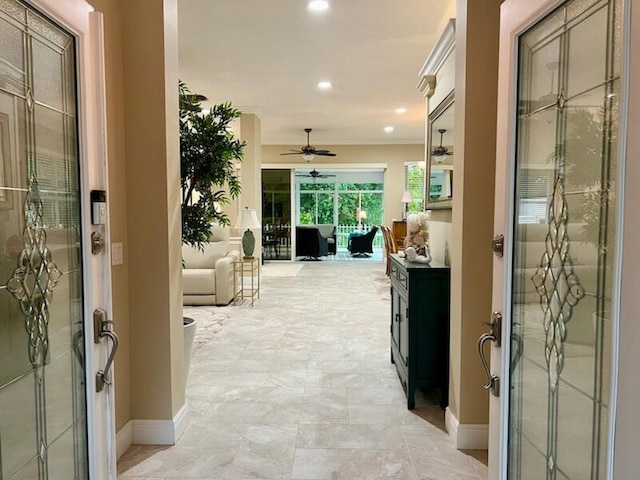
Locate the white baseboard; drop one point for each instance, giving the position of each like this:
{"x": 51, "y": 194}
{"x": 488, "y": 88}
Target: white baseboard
{"x": 466, "y": 437}
{"x": 124, "y": 439}
{"x": 160, "y": 432}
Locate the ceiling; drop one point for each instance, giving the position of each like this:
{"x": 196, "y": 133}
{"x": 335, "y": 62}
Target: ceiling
{"x": 267, "y": 57}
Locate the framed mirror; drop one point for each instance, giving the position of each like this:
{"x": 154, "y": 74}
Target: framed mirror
{"x": 440, "y": 155}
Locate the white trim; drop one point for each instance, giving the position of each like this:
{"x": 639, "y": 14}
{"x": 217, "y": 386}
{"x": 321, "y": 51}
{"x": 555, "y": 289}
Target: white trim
{"x": 160, "y": 432}
{"x": 441, "y": 50}
{"x": 124, "y": 439}
{"x": 466, "y": 436}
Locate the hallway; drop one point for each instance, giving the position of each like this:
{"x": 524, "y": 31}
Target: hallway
{"x": 301, "y": 387}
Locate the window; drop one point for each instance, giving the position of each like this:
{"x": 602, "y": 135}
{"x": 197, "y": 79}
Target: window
{"x": 414, "y": 183}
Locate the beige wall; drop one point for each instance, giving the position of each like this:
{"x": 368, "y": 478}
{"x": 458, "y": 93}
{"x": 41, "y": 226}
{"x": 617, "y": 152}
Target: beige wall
{"x": 153, "y": 213}
{"x": 477, "y": 32}
{"x": 117, "y": 197}
{"x": 393, "y": 156}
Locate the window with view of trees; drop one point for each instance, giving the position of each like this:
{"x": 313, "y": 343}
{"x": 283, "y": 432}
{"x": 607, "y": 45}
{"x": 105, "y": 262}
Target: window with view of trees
{"x": 339, "y": 203}
{"x": 414, "y": 183}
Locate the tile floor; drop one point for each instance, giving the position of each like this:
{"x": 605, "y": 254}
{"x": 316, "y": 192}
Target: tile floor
{"x": 301, "y": 388}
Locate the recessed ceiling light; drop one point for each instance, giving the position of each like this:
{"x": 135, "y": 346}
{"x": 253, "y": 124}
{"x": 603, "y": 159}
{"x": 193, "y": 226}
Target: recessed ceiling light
{"x": 388, "y": 129}
{"x": 318, "y": 5}
{"x": 401, "y": 110}
{"x": 324, "y": 85}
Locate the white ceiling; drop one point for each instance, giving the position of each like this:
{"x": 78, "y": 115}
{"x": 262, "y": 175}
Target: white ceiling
{"x": 267, "y": 56}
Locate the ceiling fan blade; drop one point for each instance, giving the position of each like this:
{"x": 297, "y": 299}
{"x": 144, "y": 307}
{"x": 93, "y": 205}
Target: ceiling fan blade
{"x": 292, "y": 153}
{"x": 325, "y": 154}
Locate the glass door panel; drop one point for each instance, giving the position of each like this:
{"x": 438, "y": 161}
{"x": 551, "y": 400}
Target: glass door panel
{"x": 43, "y": 426}
{"x": 276, "y": 214}
{"x": 564, "y": 254}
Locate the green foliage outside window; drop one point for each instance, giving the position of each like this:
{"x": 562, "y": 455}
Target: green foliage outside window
{"x": 414, "y": 182}
{"x": 317, "y": 203}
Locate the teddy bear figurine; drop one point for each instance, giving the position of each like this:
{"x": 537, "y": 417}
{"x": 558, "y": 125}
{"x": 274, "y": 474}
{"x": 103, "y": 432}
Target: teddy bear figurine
{"x": 416, "y": 248}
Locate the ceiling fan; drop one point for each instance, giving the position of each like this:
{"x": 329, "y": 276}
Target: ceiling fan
{"x": 441, "y": 151}
{"x": 309, "y": 151}
{"x": 314, "y": 174}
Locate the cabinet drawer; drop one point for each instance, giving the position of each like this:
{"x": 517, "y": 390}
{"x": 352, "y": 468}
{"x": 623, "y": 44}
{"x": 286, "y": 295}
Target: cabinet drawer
{"x": 402, "y": 279}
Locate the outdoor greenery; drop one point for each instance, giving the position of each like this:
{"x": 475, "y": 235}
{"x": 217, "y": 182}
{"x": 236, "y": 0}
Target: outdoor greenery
{"x": 414, "y": 183}
{"x": 208, "y": 177}
{"x": 349, "y": 197}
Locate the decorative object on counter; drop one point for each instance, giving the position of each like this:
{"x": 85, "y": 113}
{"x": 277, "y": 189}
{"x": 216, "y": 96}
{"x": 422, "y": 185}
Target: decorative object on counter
{"x": 416, "y": 242}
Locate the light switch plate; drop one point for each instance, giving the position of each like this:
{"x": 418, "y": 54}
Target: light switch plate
{"x": 117, "y": 255}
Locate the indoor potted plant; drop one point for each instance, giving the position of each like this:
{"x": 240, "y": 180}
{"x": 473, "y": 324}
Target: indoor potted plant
{"x": 208, "y": 177}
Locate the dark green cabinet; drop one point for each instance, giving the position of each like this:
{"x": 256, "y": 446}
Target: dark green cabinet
{"x": 420, "y": 327}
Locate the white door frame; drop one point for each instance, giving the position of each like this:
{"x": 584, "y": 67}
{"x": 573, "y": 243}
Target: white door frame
{"x": 516, "y": 17}
{"x": 80, "y": 19}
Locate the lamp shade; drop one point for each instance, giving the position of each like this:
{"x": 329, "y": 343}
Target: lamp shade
{"x": 307, "y": 157}
{"x": 362, "y": 215}
{"x": 248, "y": 219}
{"x": 406, "y": 197}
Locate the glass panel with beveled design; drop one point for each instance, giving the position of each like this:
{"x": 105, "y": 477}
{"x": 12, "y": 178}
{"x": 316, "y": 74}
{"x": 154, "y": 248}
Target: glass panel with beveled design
{"x": 42, "y": 394}
{"x": 564, "y": 244}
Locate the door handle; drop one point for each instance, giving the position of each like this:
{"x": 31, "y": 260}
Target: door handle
{"x": 493, "y": 384}
{"x": 103, "y": 328}
{"x": 495, "y": 334}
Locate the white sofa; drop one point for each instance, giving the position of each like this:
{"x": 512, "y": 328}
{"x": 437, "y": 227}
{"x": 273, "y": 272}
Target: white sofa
{"x": 207, "y": 276}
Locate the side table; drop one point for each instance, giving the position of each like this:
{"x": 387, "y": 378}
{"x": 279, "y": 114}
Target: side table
{"x": 249, "y": 267}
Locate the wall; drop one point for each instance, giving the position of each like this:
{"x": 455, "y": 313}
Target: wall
{"x": 393, "y": 156}
{"x": 477, "y": 35}
{"x": 153, "y": 212}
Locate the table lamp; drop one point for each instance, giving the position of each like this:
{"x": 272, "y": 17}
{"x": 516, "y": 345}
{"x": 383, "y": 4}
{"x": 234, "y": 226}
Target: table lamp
{"x": 248, "y": 219}
{"x": 406, "y": 199}
{"x": 362, "y": 216}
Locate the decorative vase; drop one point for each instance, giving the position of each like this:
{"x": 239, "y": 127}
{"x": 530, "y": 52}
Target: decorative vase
{"x": 189, "y": 325}
{"x": 248, "y": 243}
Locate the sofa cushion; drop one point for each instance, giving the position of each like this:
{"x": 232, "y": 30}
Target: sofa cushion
{"x": 201, "y": 281}
{"x": 206, "y": 258}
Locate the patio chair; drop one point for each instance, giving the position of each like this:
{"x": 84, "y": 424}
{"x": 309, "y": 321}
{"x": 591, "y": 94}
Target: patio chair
{"x": 362, "y": 245}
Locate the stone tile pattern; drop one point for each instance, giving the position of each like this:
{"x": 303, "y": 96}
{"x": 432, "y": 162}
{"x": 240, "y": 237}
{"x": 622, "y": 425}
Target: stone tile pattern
{"x": 301, "y": 387}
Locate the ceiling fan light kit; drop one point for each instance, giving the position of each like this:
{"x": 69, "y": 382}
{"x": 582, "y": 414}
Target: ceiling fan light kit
{"x": 309, "y": 152}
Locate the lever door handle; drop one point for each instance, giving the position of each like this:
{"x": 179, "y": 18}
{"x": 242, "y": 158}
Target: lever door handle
{"x": 103, "y": 328}
{"x": 493, "y": 380}
{"x": 102, "y": 377}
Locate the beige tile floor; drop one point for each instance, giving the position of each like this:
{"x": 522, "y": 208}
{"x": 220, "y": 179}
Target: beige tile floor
{"x": 300, "y": 387}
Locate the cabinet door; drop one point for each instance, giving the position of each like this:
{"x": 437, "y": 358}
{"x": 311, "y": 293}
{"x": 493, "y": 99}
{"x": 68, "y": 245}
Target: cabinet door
{"x": 395, "y": 320}
{"x": 403, "y": 327}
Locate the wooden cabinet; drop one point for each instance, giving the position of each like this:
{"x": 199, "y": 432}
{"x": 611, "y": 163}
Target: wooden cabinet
{"x": 420, "y": 327}
{"x": 399, "y": 230}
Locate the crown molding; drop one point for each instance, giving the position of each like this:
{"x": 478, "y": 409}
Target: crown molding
{"x": 441, "y": 50}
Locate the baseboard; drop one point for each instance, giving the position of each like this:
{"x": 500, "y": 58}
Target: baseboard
{"x": 466, "y": 437}
{"x": 124, "y": 439}
{"x": 160, "y": 432}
